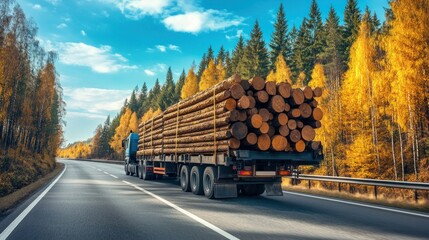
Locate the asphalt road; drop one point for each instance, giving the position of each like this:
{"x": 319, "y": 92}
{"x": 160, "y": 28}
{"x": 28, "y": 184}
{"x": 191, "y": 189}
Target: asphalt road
{"x": 98, "y": 201}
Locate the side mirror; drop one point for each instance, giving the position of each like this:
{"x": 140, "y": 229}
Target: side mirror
{"x": 123, "y": 143}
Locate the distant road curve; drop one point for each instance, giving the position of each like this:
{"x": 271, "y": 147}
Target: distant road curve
{"x": 96, "y": 200}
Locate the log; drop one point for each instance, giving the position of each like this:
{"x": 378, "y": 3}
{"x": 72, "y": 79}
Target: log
{"x": 284, "y": 89}
{"x": 242, "y": 116}
{"x": 277, "y": 104}
{"x": 257, "y": 83}
{"x": 287, "y": 107}
{"x": 294, "y": 113}
{"x": 314, "y": 145}
{"x": 306, "y": 110}
{"x": 271, "y": 131}
{"x": 313, "y": 103}
{"x": 308, "y": 133}
{"x": 299, "y": 146}
{"x": 252, "y": 101}
{"x": 317, "y": 114}
{"x": 264, "y": 142}
{"x": 294, "y": 136}
{"x": 251, "y": 139}
{"x": 299, "y": 124}
{"x": 190, "y": 150}
{"x": 265, "y": 127}
{"x": 271, "y": 88}
{"x": 317, "y": 92}
{"x": 234, "y": 143}
{"x": 245, "y": 85}
{"x": 255, "y": 121}
{"x": 284, "y": 130}
{"x": 297, "y": 97}
{"x": 220, "y": 135}
{"x": 237, "y": 91}
{"x": 243, "y": 102}
{"x": 281, "y": 119}
{"x": 291, "y": 124}
{"x": 239, "y": 130}
{"x": 192, "y": 134}
{"x": 308, "y": 93}
{"x": 265, "y": 114}
{"x": 278, "y": 143}
{"x": 252, "y": 111}
{"x": 261, "y": 96}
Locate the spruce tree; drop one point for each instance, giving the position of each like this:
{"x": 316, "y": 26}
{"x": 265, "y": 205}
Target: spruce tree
{"x": 202, "y": 66}
{"x": 280, "y": 42}
{"x": 154, "y": 94}
{"x": 317, "y": 38}
{"x": 255, "y": 61}
{"x": 142, "y": 100}
{"x": 237, "y": 55}
{"x": 210, "y": 55}
{"x": 352, "y": 20}
{"x": 302, "y": 55}
{"x": 179, "y": 85}
{"x": 167, "y": 94}
{"x": 228, "y": 65}
{"x": 104, "y": 147}
{"x": 220, "y": 56}
{"x": 133, "y": 104}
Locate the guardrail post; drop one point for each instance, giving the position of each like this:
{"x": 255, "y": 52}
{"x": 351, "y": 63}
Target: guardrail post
{"x": 339, "y": 187}
{"x": 309, "y": 184}
{"x": 416, "y": 197}
{"x": 375, "y": 192}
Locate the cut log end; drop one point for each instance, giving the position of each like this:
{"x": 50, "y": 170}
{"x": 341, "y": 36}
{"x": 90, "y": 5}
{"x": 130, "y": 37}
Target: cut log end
{"x": 239, "y": 130}
{"x": 264, "y": 142}
{"x": 279, "y": 143}
{"x": 257, "y": 83}
{"x": 308, "y": 133}
{"x": 299, "y": 146}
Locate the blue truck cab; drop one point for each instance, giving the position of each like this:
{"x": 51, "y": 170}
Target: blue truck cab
{"x": 131, "y": 144}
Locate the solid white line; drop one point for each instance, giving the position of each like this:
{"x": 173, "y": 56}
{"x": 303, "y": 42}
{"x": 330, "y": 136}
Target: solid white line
{"x": 106, "y": 173}
{"x": 24, "y": 213}
{"x": 194, "y": 217}
{"x": 113, "y": 175}
{"x": 99, "y": 169}
{"x": 359, "y": 204}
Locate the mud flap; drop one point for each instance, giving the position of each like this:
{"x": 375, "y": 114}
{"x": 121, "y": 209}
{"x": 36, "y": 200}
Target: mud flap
{"x": 225, "y": 190}
{"x": 274, "y": 189}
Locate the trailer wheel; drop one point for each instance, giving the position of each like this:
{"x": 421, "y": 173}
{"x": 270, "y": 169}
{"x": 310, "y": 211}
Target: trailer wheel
{"x": 126, "y": 170}
{"x": 253, "y": 189}
{"x": 144, "y": 174}
{"x": 196, "y": 180}
{"x": 209, "y": 177}
{"x": 184, "y": 178}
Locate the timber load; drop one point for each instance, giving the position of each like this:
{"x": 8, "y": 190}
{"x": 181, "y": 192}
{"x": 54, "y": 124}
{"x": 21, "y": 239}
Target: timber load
{"x": 236, "y": 114}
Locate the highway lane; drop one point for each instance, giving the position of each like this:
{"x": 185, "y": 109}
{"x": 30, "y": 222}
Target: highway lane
{"x": 97, "y": 200}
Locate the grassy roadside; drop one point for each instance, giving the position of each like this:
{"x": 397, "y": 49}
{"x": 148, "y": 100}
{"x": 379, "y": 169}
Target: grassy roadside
{"x": 422, "y": 205}
{"x": 9, "y": 201}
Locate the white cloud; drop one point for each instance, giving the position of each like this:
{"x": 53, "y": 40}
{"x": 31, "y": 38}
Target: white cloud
{"x": 161, "y": 48}
{"x": 201, "y": 21}
{"x": 73, "y": 114}
{"x": 237, "y": 35}
{"x": 174, "y": 47}
{"x": 94, "y": 102}
{"x": 99, "y": 59}
{"x": 37, "y": 7}
{"x": 158, "y": 68}
{"x": 139, "y": 8}
{"x": 83, "y": 33}
{"x": 149, "y": 72}
{"x": 62, "y": 25}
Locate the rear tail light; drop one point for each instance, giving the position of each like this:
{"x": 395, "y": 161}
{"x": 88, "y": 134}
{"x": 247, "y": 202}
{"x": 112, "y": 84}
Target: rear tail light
{"x": 285, "y": 173}
{"x": 246, "y": 173}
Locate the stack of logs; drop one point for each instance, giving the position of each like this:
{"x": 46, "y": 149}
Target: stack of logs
{"x": 236, "y": 114}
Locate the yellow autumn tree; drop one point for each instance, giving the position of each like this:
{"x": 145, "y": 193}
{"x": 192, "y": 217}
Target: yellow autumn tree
{"x": 191, "y": 84}
{"x": 122, "y": 131}
{"x": 134, "y": 125}
{"x": 282, "y": 72}
{"x": 220, "y": 72}
{"x": 300, "y": 80}
{"x": 209, "y": 77}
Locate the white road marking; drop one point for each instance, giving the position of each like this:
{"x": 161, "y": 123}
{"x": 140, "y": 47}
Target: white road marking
{"x": 99, "y": 169}
{"x": 194, "y": 217}
{"x": 358, "y": 204}
{"x": 27, "y": 210}
{"x": 106, "y": 173}
{"x": 113, "y": 175}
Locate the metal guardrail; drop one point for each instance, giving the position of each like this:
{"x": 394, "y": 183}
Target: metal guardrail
{"x": 362, "y": 181}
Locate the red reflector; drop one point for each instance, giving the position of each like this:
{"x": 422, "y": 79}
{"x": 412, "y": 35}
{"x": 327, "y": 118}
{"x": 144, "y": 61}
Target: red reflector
{"x": 245, "y": 173}
{"x": 285, "y": 173}
{"x": 149, "y": 169}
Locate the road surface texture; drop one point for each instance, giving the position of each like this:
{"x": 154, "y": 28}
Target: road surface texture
{"x": 92, "y": 200}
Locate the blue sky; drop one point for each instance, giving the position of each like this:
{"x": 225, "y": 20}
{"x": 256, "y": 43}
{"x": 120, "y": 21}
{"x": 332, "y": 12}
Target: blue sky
{"x": 107, "y": 47}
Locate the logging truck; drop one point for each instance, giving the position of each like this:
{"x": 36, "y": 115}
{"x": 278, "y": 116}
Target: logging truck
{"x": 237, "y": 137}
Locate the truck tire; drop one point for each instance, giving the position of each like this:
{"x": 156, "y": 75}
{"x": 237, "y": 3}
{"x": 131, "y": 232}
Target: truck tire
{"x": 196, "y": 180}
{"x": 144, "y": 174}
{"x": 253, "y": 189}
{"x": 126, "y": 170}
{"x": 209, "y": 178}
{"x": 184, "y": 178}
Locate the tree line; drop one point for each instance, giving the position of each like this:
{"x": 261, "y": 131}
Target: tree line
{"x": 31, "y": 106}
{"x": 374, "y": 75}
